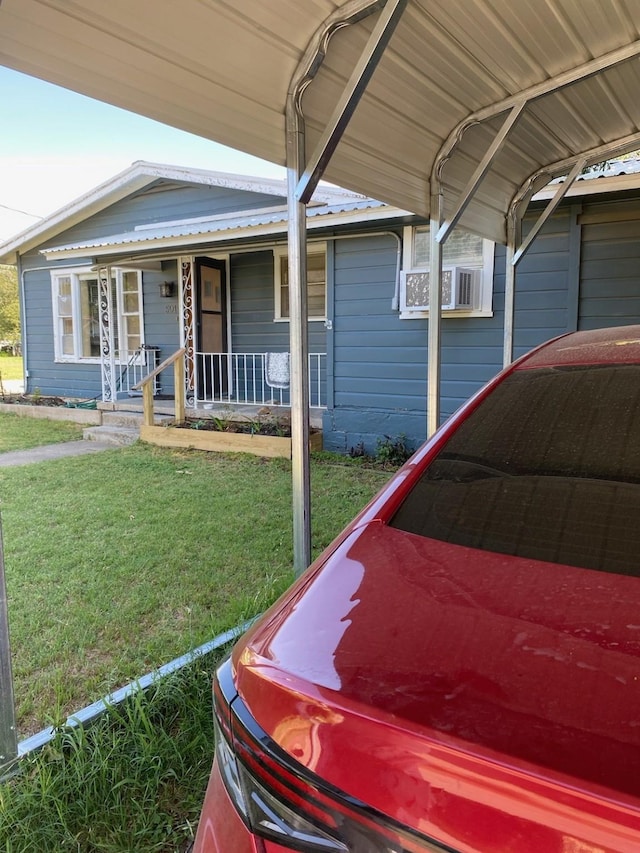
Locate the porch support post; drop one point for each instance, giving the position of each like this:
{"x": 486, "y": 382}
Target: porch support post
{"x": 187, "y": 328}
{"x": 8, "y": 733}
{"x": 107, "y": 347}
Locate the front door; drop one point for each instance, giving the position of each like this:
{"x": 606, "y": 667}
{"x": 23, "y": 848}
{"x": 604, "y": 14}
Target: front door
{"x": 211, "y": 329}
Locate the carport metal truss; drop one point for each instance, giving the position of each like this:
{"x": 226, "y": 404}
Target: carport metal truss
{"x": 304, "y": 174}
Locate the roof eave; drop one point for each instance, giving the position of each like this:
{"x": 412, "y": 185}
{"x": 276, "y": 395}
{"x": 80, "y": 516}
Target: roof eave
{"x": 217, "y": 238}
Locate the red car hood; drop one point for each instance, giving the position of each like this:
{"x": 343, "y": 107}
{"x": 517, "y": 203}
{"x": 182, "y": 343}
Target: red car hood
{"x": 426, "y": 678}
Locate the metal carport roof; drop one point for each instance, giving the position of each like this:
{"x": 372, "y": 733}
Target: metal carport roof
{"x": 223, "y": 68}
{"x": 455, "y": 111}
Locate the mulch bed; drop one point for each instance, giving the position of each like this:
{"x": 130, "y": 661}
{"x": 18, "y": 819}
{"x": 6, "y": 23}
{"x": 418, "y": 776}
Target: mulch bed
{"x": 32, "y": 400}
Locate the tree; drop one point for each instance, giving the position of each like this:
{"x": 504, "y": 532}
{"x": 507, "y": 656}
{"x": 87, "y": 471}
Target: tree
{"x": 9, "y": 305}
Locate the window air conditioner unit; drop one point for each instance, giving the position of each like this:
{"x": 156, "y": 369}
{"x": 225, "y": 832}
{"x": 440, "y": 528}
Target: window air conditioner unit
{"x": 459, "y": 289}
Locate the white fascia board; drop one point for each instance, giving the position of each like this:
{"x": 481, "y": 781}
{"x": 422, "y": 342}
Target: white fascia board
{"x": 76, "y": 211}
{"x": 136, "y": 177}
{"x": 228, "y": 236}
{"x": 592, "y": 186}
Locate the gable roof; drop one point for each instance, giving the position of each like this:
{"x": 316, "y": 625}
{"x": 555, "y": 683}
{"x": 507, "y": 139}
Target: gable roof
{"x": 139, "y": 176}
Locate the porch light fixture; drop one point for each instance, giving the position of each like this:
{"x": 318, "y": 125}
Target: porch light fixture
{"x": 166, "y": 289}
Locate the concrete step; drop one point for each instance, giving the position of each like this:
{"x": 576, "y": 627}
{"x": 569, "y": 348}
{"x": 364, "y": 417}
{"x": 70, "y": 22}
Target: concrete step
{"x": 117, "y": 436}
{"x": 133, "y": 420}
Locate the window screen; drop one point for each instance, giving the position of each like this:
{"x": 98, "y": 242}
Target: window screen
{"x": 547, "y": 467}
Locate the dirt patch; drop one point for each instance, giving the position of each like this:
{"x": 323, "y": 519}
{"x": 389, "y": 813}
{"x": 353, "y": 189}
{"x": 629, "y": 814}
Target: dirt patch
{"x": 32, "y": 400}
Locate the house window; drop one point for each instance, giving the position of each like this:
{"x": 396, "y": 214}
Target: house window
{"x": 76, "y": 321}
{"x": 467, "y": 274}
{"x": 316, "y": 283}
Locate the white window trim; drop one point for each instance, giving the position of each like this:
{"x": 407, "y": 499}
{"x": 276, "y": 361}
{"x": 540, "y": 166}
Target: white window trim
{"x": 283, "y": 251}
{"x": 76, "y": 274}
{"x": 486, "y": 286}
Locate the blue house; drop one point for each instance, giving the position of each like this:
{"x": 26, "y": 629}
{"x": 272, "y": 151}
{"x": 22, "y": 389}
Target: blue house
{"x": 162, "y": 257}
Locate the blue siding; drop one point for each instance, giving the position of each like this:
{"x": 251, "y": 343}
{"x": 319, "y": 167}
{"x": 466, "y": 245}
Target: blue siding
{"x": 582, "y": 271}
{"x": 380, "y": 360}
{"x": 162, "y": 203}
{"x": 158, "y": 203}
{"x": 610, "y": 270}
{"x": 253, "y": 308}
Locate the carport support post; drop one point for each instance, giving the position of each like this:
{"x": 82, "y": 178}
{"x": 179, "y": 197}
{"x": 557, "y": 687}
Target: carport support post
{"x": 299, "y": 345}
{"x": 435, "y": 314}
{"x": 8, "y": 735}
{"x": 509, "y": 291}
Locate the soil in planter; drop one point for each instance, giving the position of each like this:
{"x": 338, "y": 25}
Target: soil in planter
{"x": 280, "y": 427}
{"x": 32, "y": 400}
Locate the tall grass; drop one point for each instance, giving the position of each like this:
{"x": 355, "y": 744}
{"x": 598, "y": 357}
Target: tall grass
{"x": 133, "y": 781}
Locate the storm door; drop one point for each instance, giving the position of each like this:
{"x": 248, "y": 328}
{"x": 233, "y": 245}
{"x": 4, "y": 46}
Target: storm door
{"x": 211, "y": 329}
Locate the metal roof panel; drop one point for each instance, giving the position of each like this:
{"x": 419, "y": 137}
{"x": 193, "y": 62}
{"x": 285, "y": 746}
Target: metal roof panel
{"x": 223, "y": 71}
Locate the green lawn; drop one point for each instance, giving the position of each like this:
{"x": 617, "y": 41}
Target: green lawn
{"x": 22, "y": 433}
{"x": 10, "y": 366}
{"x": 120, "y": 561}
{"x": 133, "y": 781}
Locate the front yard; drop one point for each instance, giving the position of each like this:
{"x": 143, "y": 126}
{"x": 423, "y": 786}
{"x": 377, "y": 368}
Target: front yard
{"x": 116, "y": 563}
{"x": 120, "y": 561}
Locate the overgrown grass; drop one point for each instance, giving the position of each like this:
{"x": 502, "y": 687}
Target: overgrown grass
{"x": 134, "y": 781}
{"x": 120, "y": 561}
{"x": 23, "y": 433}
{"x": 10, "y": 366}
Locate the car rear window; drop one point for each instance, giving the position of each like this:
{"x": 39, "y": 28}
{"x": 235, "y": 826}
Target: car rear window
{"x": 547, "y": 467}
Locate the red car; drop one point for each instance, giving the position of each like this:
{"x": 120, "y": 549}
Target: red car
{"x": 460, "y": 669}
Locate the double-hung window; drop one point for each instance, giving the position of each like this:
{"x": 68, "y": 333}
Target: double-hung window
{"x": 467, "y": 274}
{"x": 316, "y": 282}
{"x": 76, "y": 314}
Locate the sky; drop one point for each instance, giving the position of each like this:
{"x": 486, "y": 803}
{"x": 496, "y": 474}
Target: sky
{"x": 56, "y": 145}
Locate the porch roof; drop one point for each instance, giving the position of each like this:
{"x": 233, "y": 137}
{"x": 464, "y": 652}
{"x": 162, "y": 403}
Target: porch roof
{"x": 565, "y": 72}
{"x": 259, "y": 224}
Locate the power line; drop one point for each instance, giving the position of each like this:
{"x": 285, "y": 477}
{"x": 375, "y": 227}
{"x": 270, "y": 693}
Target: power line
{"x": 24, "y": 212}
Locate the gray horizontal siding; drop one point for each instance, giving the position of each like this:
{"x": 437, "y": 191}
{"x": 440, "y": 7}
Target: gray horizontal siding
{"x": 253, "y": 308}
{"x": 380, "y": 360}
{"x": 158, "y": 204}
{"x": 610, "y": 265}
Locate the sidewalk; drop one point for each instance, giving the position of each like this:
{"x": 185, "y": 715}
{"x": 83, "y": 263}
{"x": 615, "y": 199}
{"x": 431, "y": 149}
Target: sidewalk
{"x": 47, "y": 451}
{"x": 52, "y": 451}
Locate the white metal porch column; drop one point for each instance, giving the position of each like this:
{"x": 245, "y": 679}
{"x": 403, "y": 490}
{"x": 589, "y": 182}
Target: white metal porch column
{"x": 107, "y": 338}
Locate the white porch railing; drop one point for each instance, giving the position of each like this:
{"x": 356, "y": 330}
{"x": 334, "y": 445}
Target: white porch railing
{"x": 131, "y": 368}
{"x": 240, "y": 377}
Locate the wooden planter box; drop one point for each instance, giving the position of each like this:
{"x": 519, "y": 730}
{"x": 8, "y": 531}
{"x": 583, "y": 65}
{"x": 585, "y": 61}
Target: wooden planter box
{"x": 53, "y": 413}
{"x": 227, "y": 442}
